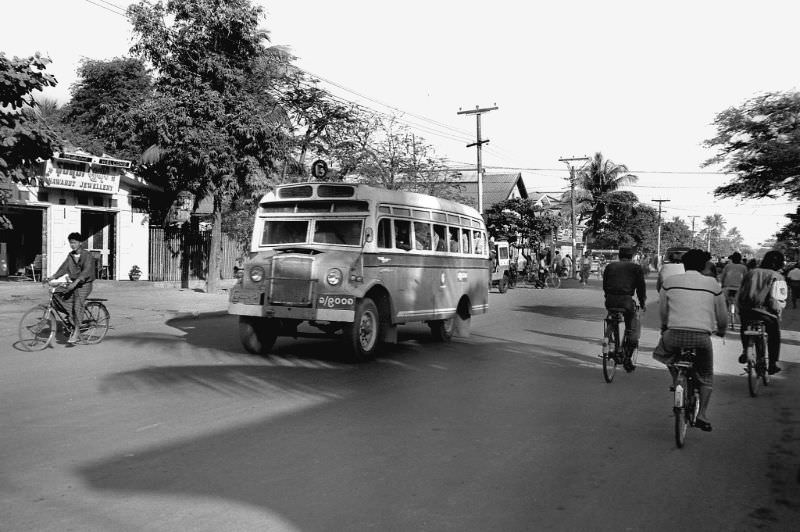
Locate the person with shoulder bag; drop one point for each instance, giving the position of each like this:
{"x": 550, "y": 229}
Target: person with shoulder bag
{"x": 762, "y": 297}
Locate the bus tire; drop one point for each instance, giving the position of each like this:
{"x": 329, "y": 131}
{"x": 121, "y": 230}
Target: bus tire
{"x": 363, "y": 335}
{"x": 442, "y": 330}
{"x": 502, "y": 285}
{"x": 257, "y": 335}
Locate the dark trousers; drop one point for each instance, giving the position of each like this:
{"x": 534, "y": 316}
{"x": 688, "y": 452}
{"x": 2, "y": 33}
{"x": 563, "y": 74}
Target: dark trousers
{"x": 773, "y": 332}
{"x": 632, "y": 324}
{"x": 75, "y": 301}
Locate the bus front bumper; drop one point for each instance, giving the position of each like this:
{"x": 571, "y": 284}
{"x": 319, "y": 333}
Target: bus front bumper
{"x": 293, "y": 313}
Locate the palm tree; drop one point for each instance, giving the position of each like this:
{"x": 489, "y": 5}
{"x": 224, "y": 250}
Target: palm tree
{"x": 596, "y": 181}
{"x": 715, "y": 224}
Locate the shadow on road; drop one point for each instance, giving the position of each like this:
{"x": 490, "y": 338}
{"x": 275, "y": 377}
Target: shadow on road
{"x": 566, "y": 311}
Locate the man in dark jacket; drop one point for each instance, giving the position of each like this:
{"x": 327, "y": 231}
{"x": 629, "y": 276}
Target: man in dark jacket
{"x": 621, "y": 280}
{"x": 79, "y": 267}
{"x": 756, "y": 304}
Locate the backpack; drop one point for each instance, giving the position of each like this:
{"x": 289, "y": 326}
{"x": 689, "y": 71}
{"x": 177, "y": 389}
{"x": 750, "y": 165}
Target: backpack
{"x": 778, "y": 293}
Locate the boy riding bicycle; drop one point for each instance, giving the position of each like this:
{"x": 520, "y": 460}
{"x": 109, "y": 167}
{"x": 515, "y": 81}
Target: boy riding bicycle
{"x": 621, "y": 280}
{"x": 79, "y": 267}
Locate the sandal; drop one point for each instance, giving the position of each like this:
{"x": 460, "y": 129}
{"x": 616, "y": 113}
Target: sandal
{"x": 702, "y": 424}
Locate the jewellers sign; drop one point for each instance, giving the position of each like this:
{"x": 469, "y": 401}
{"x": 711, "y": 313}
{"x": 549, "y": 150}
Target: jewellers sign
{"x": 82, "y": 181}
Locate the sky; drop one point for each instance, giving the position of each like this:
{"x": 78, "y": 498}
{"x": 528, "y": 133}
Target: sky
{"x": 640, "y": 82}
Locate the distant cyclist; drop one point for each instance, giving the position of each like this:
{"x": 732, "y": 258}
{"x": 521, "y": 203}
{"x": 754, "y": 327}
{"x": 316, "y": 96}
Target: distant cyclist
{"x": 731, "y": 279}
{"x": 757, "y": 304}
{"x": 621, "y": 281}
{"x": 691, "y": 307}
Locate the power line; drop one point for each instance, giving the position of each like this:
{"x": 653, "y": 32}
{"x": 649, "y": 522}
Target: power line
{"x": 118, "y": 13}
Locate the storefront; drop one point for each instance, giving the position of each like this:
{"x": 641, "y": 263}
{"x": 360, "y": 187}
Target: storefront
{"x": 95, "y": 196}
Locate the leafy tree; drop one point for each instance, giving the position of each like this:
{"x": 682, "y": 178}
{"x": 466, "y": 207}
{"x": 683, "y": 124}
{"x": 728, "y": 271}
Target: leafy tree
{"x": 714, "y": 226}
{"x": 675, "y": 233}
{"x": 26, "y": 136}
{"x": 213, "y": 135}
{"x": 627, "y": 223}
{"x": 788, "y": 238}
{"x": 520, "y": 218}
{"x": 101, "y": 115}
{"x": 596, "y": 180}
{"x": 759, "y": 142}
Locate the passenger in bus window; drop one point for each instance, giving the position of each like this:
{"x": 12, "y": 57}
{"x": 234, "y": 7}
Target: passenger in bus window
{"x": 402, "y": 234}
{"x": 476, "y": 235}
{"x": 465, "y": 247}
{"x": 439, "y": 237}
{"x": 453, "y": 236}
{"x": 422, "y": 236}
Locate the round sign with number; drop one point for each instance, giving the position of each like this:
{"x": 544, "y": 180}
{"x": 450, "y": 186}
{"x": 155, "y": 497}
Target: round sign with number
{"x": 319, "y": 168}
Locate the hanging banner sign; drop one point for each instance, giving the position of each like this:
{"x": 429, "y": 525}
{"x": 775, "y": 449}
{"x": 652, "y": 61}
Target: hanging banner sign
{"x": 82, "y": 181}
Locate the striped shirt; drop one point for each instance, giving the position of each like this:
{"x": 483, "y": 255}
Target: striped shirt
{"x": 692, "y": 301}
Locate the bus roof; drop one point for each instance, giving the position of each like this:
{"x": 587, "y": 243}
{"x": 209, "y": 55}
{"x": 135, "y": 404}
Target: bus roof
{"x": 311, "y": 191}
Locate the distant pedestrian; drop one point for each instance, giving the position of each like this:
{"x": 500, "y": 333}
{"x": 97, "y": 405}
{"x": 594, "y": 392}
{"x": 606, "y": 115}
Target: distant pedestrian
{"x": 586, "y": 268}
{"x": 793, "y": 276}
{"x": 567, "y": 261}
{"x": 79, "y": 268}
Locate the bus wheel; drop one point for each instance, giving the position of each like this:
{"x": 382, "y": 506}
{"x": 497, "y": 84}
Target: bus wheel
{"x": 442, "y": 330}
{"x": 362, "y": 335}
{"x": 502, "y": 285}
{"x": 257, "y": 335}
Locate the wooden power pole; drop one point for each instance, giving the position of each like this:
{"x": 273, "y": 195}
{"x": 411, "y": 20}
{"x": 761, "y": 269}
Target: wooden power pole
{"x": 570, "y": 161}
{"x": 658, "y": 245}
{"x": 479, "y": 142}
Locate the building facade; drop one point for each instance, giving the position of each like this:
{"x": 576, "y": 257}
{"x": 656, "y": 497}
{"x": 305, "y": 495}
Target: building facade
{"x": 96, "y": 196}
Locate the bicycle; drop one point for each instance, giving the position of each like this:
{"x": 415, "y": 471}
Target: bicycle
{"x": 756, "y": 365}
{"x": 686, "y": 399}
{"x": 614, "y": 351}
{"x": 38, "y": 325}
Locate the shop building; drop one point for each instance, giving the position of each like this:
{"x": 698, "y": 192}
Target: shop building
{"x": 96, "y": 196}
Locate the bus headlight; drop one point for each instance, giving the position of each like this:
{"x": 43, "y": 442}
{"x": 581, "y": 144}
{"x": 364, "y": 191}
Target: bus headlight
{"x": 256, "y": 274}
{"x": 334, "y": 276}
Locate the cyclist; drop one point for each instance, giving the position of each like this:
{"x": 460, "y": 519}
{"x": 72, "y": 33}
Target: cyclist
{"x": 79, "y": 267}
{"x": 756, "y": 304}
{"x": 691, "y": 308}
{"x": 621, "y": 280}
{"x": 731, "y": 280}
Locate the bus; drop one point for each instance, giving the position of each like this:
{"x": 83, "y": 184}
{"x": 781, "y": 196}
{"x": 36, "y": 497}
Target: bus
{"x": 360, "y": 260}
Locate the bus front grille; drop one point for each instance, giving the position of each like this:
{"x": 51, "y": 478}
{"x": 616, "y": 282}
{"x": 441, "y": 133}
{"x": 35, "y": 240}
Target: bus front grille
{"x": 290, "y": 282}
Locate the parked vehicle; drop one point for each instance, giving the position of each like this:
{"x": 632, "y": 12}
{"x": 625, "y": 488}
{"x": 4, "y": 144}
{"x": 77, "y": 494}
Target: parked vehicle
{"x": 500, "y": 276}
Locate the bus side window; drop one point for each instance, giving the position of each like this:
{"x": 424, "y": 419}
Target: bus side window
{"x": 402, "y": 234}
{"x": 452, "y": 245}
{"x": 476, "y": 236}
{"x": 439, "y": 237}
{"x": 465, "y": 245}
{"x": 422, "y": 236}
{"x": 385, "y": 233}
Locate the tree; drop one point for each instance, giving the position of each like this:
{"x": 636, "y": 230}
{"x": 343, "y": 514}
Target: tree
{"x": 714, "y": 226}
{"x": 788, "y": 238}
{"x": 759, "y": 142}
{"x": 521, "y": 218}
{"x": 213, "y": 134}
{"x": 26, "y": 137}
{"x": 101, "y": 115}
{"x": 675, "y": 233}
{"x": 596, "y": 180}
{"x": 627, "y": 223}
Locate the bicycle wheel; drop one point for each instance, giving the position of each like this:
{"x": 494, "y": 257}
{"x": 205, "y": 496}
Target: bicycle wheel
{"x": 680, "y": 410}
{"x": 37, "y": 328}
{"x": 761, "y": 360}
{"x": 556, "y": 280}
{"x": 752, "y": 369}
{"x": 732, "y": 316}
{"x": 95, "y": 323}
{"x": 611, "y": 336}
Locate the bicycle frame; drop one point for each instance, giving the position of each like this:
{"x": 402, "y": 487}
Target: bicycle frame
{"x": 686, "y": 399}
{"x": 756, "y": 365}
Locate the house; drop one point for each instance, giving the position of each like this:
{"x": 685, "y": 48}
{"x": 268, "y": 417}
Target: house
{"x": 76, "y": 191}
{"x": 496, "y": 187}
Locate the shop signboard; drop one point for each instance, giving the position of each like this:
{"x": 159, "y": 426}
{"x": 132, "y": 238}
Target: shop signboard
{"x": 83, "y": 181}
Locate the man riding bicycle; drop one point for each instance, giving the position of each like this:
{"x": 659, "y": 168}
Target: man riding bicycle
{"x": 731, "y": 280}
{"x": 621, "y": 280}
{"x": 691, "y": 308}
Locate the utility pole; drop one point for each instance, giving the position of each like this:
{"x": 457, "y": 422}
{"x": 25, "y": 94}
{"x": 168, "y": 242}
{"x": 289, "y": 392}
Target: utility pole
{"x": 570, "y": 164}
{"x": 658, "y": 245}
{"x": 479, "y": 142}
{"x": 693, "y": 217}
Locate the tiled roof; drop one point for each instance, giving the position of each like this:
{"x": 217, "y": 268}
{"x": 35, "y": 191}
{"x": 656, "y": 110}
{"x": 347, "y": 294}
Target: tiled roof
{"x": 496, "y": 187}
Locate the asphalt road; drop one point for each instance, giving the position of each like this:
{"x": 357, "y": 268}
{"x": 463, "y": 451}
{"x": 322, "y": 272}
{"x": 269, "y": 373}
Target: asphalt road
{"x": 168, "y": 426}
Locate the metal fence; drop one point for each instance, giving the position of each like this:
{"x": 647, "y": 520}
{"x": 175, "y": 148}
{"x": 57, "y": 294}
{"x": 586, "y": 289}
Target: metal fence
{"x": 182, "y": 255}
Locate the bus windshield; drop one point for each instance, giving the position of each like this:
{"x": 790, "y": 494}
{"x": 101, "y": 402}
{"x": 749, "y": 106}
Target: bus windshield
{"x": 337, "y": 231}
